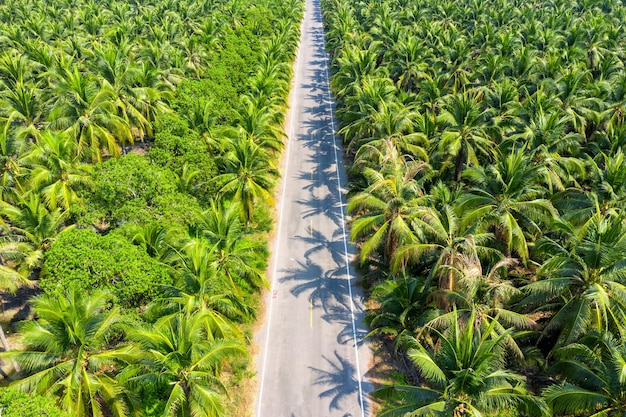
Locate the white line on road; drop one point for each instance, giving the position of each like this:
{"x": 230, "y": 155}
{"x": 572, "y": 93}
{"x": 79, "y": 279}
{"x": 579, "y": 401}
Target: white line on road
{"x": 280, "y": 225}
{"x": 343, "y": 226}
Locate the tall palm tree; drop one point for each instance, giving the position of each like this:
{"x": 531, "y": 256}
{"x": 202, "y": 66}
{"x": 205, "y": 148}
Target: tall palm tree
{"x": 393, "y": 125}
{"x": 260, "y": 124}
{"x": 464, "y": 136}
{"x": 237, "y": 256}
{"x": 441, "y": 238}
{"x": 68, "y": 354}
{"x": 509, "y": 198}
{"x": 402, "y": 302}
{"x": 485, "y": 295}
{"x": 176, "y": 356}
{"x": 89, "y": 113}
{"x": 116, "y": 68}
{"x": 24, "y": 105}
{"x": 28, "y": 229}
{"x": 11, "y": 148}
{"x": 383, "y": 211}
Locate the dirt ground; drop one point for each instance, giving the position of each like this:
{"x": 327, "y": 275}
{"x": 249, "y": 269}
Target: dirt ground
{"x": 13, "y": 309}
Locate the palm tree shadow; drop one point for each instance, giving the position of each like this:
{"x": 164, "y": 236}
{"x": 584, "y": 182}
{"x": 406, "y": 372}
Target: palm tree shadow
{"x": 314, "y": 180}
{"x": 320, "y": 243}
{"x": 324, "y": 291}
{"x": 340, "y": 382}
{"x": 342, "y": 314}
{"x": 327, "y": 206}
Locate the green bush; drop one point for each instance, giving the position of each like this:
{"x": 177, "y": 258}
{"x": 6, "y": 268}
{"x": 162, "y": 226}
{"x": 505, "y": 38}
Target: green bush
{"x": 87, "y": 261}
{"x": 19, "y": 404}
{"x": 131, "y": 189}
{"x": 176, "y": 146}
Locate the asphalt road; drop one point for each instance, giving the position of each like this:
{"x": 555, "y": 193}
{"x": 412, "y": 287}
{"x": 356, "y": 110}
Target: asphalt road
{"x": 312, "y": 357}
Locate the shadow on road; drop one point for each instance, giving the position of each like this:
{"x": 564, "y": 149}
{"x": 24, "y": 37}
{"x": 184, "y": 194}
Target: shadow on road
{"x": 339, "y": 383}
{"x": 323, "y": 290}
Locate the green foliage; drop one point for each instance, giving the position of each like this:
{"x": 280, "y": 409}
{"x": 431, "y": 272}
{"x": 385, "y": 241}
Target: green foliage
{"x": 14, "y": 403}
{"x": 68, "y": 354}
{"x": 515, "y": 112}
{"x": 131, "y": 189}
{"x": 80, "y": 85}
{"x": 87, "y": 261}
{"x": 180, "y": 148}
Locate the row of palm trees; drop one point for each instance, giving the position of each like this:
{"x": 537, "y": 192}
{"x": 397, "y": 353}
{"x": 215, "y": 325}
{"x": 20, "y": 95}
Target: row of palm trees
{"x": 105, "y": 79}
{"x": 486, "y": 141}
{"x": 174, "y": 356}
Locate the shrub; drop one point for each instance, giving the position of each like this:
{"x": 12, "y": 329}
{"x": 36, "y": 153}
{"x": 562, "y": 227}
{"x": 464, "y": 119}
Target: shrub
{"x": 19, "y": 404}
{"x": 131, "y": 189}
{"x": 88, "y": 261}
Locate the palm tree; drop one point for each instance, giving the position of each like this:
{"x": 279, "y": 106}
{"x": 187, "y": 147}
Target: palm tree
{"x": 355, "y": 67}
{"x": 11, "y": 148}
{"x": 237, "y": 256}
{"x": 24, "y": 105}
{"x": 402, "y": 302}
{"x": 118, "y": 72}
{"x": 508, "y": 198}
{"x": 57, "y": 171}
{"x": 441, "y": 238}
{"x": 464, "y": 136}
{"x": 486, "y": 296}
{"x": 582, "y": 278}
{"x": 157, "y": 239}
{"x": 200, "y": 286}
{"x": 383, "y": 211}
{"x": 392, "y": 125}
{"x": 28, "y": 230}
{"x": 260, "y": 124}
{"x": 68, "y": 354}
{"x": 89, "y": 113}
{"x": 176, "y": 356}
{"x": 359, "y": 108}
{"x": 249, "y": 176}
{"x": 465, "y": 375}
{"x": 592, "y": 373}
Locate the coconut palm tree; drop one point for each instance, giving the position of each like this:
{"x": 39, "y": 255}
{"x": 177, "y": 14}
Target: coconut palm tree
{"x": 509, "y": 199}
{"x": 592, "y": 378}
{"x": 383, "y": 211}
{"x": 88, "y": 112}
{"x": 249, "y": 176}
{"x": 68, "y": 354}
{"x": 28, "y": 229}
{"x": 486, "y": 296}
{"x": 56, "y": 169}
{"x": 441, "y": 238}
{"x": 176, "y": 356}
{"x": 237, "y": 256}
{"x": 582, "y": 276}
{"x": 403, "y": 302}
{"x": 11, "y": 169}
{"x": 464, "y": 137}
{"x": 465, "y": 375}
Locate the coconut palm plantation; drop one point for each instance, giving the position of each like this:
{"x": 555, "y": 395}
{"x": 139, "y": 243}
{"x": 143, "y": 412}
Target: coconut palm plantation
{"x": 140, "y": 144}
{"x": 486, "y": 148}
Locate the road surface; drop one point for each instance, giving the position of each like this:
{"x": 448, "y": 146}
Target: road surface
{"x": 312, "y": 357}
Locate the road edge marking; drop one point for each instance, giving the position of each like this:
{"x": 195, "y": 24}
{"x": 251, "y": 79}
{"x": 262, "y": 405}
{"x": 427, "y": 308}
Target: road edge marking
{"x": 343, "y": 221}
